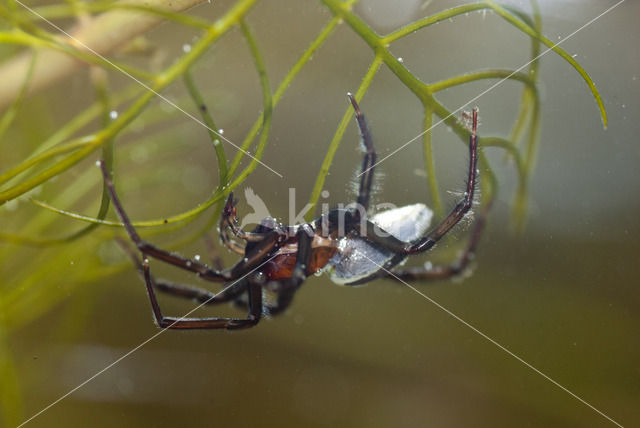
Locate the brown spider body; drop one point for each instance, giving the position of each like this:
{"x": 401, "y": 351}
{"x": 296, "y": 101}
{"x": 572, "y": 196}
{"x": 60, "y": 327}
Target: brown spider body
{"x": 282, "y": 265}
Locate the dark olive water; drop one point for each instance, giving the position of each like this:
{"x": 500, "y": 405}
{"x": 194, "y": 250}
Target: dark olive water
{"x": 563, "y": 296}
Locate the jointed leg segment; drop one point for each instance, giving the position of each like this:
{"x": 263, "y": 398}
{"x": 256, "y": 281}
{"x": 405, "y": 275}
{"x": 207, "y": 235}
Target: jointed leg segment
{"x": 255, "y": 309}
{"x": 244, "y": 279}
{"x": 369, "y": 160}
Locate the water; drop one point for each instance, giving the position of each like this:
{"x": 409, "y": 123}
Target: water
{"x": 562, "y": 295}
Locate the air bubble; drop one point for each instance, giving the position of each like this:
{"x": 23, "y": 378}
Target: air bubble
{"x": 400, "y": 60}
{"x": 197, "y": 257}
{"x": 221, "y": 131}
{"x": 324, "y": 194}
{"x": 113, "y": 114}
{"x": 186, "y": 48}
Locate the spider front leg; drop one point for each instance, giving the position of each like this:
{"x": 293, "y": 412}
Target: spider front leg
{"x": 227, "y": 221}
{"x": 147, "y": 248}
{"x": 200, "y": 295}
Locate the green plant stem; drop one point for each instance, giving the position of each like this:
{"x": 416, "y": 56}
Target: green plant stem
{"x": 429, "y": 164}
{"x": 522, "y": 26}
{"x": 19, "y": 37}
{"x": 527, "y": 96}
{"x": 10, "y": 114}
{"x": 216, "y": 30}
{"x": 122, "y": 27}
{"x": 415, "y": 85}
{"x": 482, "y": 75}
{"x": 430, "y": 20}
{"x": 277, "y": 95}
{"x": 57, "y": 11}
{"x": 216, "y": 197}
{"x": 208, "y": 120}
{"x": 267, "y": 102}
{"x": 99, "y": 79}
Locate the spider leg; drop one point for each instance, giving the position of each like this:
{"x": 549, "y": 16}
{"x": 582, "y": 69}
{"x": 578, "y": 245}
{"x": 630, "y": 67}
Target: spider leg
{"x": 462, "y": 208}
{"x": 305, "y": 237}
{"x": 226, "y": 240}
{"x": 368, "y": 163}
{"x": 200, "y": 295}
{"x": 284, "y": 297}
{"x": 289, "y": 286}
{"x": 253, "y": 317}
{"x": 459, "y": 211}
{"x": 149, "y": 249}
{"x": 283, "y": 301}
{"x": 229, "y": 219}
{"x": 446, "y": 271}
{"x": 216, "y": 261}
{"x": 303, "y": 258}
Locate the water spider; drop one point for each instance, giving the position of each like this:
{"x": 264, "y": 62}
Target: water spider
{"x": 352, "y": 246}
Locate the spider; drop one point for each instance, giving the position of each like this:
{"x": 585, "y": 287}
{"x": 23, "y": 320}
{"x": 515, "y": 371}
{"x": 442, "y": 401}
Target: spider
{"x": 278, "y": 258}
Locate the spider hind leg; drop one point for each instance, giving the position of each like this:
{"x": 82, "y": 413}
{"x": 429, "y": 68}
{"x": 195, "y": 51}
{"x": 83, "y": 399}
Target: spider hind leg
{"x": 253, "y": 289}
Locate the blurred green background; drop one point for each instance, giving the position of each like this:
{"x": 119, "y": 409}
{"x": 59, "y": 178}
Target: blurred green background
{"x": 563, "y": 295}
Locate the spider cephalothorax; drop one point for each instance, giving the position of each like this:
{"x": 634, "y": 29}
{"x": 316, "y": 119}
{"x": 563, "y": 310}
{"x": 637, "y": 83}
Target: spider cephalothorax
{"x": 353, "y": 247}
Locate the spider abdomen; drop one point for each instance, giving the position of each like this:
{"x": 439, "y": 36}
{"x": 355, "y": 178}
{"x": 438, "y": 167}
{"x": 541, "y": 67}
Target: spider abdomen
{"x": 359, "y": 259}
{"x": 282, "y": 265}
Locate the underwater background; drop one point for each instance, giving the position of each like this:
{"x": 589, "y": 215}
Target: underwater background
{"x": 561, "y": 292}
